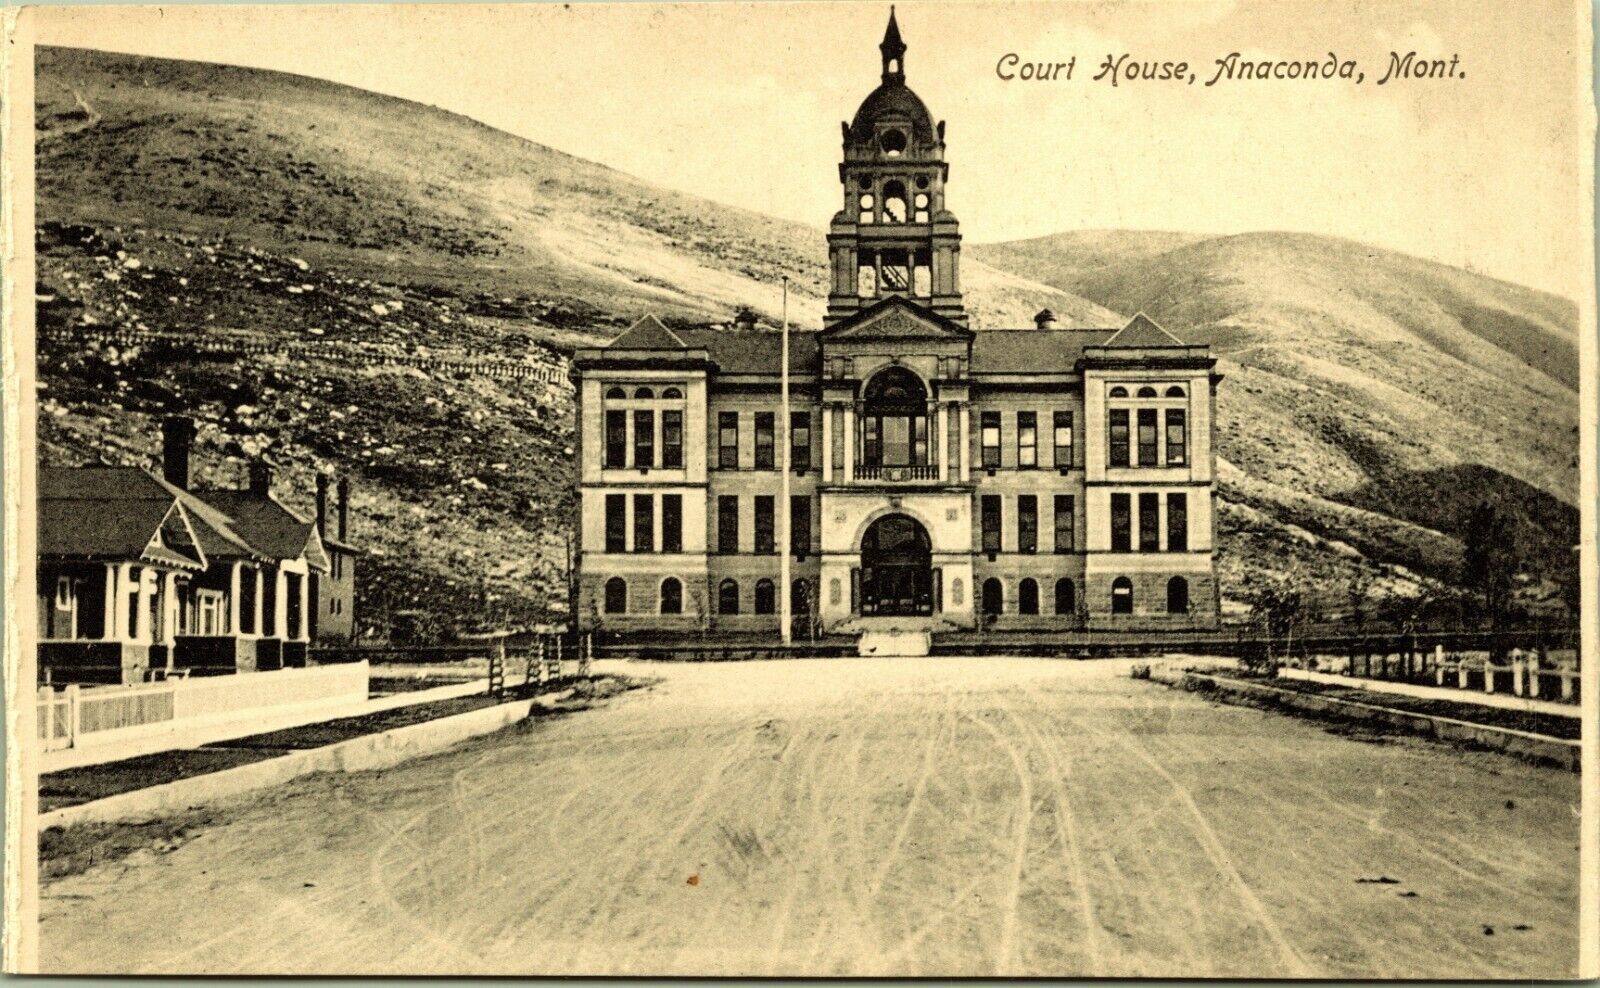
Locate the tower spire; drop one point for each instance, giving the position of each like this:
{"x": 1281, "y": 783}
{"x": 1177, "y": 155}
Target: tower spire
{"x": 894, "y": 51}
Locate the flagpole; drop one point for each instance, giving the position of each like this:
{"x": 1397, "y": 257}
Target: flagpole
{"x": 784, "y": 538}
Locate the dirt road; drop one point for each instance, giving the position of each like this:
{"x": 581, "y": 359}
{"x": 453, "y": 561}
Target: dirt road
{"x": 927, "y": 816}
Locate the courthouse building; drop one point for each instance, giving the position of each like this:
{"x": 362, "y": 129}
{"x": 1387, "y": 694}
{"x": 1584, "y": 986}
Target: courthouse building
{"x": 943, "y": 476}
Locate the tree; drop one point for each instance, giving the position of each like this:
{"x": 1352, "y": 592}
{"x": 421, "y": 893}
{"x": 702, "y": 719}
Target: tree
{"x": 1489, "y": 559}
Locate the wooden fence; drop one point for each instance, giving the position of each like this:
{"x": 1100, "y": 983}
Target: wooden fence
{"x": 76, "y": 715}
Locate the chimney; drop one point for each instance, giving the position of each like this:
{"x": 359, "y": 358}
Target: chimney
{"x": 1045, "y": 319}
{"x": 260, "y": 476}
{"x": 177, "y": 436}
{"x": 344, "y": 508}
{"x": 745, "y": 320}
{"x": 322, "y": 505}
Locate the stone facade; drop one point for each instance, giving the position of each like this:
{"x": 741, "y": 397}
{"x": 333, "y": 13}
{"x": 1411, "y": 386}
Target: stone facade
{"x": 1040, "y": 479}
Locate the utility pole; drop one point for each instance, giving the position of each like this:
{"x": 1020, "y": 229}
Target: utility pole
{"x": 784, "y": 535}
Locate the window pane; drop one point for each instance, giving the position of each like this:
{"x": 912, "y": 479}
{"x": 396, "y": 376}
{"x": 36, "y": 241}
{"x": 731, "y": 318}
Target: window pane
{"x": 800, "y": 440}
{"x": 727, "y": 523}
{"x": 1118, "y": 456}
{"x": 991, "y": 439}
{"x": 1149, "y": 523}
{"x": 1147, "y": 437}
{"x": 1063, "y": 439}
{"x": 991, "y": 522}
{"x": 1027, "y": 523}
{"x": 672, "y": 440}
{"x": 1177, "y": 440}
{"x": 1121, "y": 523}
{"x": 616, "y": 438}
{"x": 672, "y": 523}
{"x": 644, "y": 523}
{"x": 728, "y": 440}
{"x": 1064, "y": 523}
{"x": 616, "y": 523}
{"x": 1177, "y": 523}
{"x": 764, "y": 523}
{"x": 765, "y": 426}
{"x": 1027, "y": 439}
{"x": 644, "y": 439}
{"x": 800, "y": 524}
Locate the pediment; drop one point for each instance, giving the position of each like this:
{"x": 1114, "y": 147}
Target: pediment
{"x": 897, "y": 319}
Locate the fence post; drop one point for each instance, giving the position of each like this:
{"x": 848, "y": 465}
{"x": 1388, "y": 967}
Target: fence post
{"x": 1566, "y": 682}
{"x": 1461, "y": 672}
{"x": 1517, "y": 667}
{"x": 1488, "y": 673}
{"x": 73, "y": 709}
{"x": 586, "y": 656}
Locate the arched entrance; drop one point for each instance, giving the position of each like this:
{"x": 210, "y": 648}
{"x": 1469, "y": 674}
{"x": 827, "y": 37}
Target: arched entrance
{"x": 896, "y": 567}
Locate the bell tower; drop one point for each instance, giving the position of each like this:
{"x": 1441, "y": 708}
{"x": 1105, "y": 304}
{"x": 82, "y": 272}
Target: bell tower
{"x": 894, "y": 237}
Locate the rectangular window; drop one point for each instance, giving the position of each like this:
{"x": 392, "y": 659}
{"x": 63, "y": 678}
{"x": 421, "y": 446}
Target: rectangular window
{"x": 1063, "y": 439}
{"x": 727, "y": 523}
{"x": 991, "y": 522}
{"x": 990, "y": 432}
{"x": 672, "y": 523}
{"x": 800, "y": 440}
{"x": 1177, "y": 523}
{"x": 672, "y": 440}
{"x": 1027, "y": 523}
{"x": 1027, "y": 439}
{"x": 644, "y": 523}
{"x": 616, "y": 523}
{"x": 728, "y": 440}
{"x": 1147, "y": 437}
{"x": 871, "y": 441}
{"x": 644, "y": 439}
{"x": 1118, "y": 455}
{"x": 1149, "y": 523}
{"x": 1064, "y": 523}
{"x": 765, "y": 428}
{"x": 766, "y": 540}
{"x": 800, "y": 524}
{"x": 1121, "y": 523}
{"x": 1177, "y": 438}
{"x": 616, "y": 438}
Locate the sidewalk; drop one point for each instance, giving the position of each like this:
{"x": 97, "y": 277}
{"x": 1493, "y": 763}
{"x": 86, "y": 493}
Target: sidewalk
{"x": 193, "y": 734}
{"x": 1503, "y": 701}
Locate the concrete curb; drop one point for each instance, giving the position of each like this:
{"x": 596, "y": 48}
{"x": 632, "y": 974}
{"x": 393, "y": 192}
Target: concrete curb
{"x": 373, "y": 751}
{"x": 1522, "y": 744}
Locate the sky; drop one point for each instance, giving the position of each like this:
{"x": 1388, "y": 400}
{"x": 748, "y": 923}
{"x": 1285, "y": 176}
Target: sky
{"x": 742, "y": 103}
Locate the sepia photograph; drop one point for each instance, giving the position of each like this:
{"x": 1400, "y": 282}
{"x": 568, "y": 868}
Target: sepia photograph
{"x": 801, "y": 489}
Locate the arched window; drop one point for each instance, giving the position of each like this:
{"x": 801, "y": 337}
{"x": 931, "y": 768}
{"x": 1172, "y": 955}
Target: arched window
{"x": 1174, "y": 392}
{"x": 867, "y": 202}
{"x": 728, "y": 597}
{"x": 894, "y": 202}
{"x": 1066, "y": 597}
{"x": 894, "y": 419}
{"x": 800, "y": 598}
{"x": 1027, "y": 597}
{"x": 1177, "y": 595}
{"x": 616, "y": 595}
{"x": 1122, "y": 595}
{"x": 1147, "y": 392}
{"x": 766, "y": 601}
{"x": 672, "y": 393}
{"x": 615, "y": 394}
{"x": 1119, "y": 392}
{"x": 893, "y": 142}
{"x": 671, "y": 596}
{"x": 644, "y": 393}
{"x": 993, "y": 596}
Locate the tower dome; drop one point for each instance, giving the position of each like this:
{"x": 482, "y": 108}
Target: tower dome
{"x": 893, "y": 108}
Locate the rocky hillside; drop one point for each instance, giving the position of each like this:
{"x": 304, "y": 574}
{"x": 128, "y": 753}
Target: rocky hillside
{"x": 1372, "y": 398}
{"x": 358, "y": 283}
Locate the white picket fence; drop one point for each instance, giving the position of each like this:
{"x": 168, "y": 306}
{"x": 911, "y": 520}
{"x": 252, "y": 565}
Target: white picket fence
{"x": 68, "y": 717}
{"x": 1527, "y": 673}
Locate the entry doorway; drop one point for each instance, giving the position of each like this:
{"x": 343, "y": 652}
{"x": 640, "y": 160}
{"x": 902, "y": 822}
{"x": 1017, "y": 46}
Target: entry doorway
{"x": 896, "y": 568}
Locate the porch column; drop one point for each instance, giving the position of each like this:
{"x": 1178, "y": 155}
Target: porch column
{"x": 305, "y": 597}
{"x": 966, "y": 442}
{"x": 109, "y": 630}
{"x": 849, "y": 439}
{"x": 280, "y": 604}
{"x": 260, "y": 604}
{"x": 827, "y": 443}
{"x": 235, "y": 587}
{"x": 944, "y": 443}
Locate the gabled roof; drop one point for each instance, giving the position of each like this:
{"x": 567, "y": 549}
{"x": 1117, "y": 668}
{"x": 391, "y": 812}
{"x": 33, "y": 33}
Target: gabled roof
{"x": 269, "y": 526}
{"x": 1140, "y": 332}
{"x": 896, "y": 317}
{"x": 114, "y": 513}
{"x": 754, "y": 353}
{"x": 648, "y": 333}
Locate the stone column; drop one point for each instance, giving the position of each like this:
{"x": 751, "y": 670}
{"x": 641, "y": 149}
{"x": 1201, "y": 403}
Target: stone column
{"x": 966, "y": 442}
{"x": 109, "y": 631}
{"x": 305, "y": 604}
{"x": 261, "y": 603}
{"x": 235, "y": 585}
{"x": 827, "y": 443}
{"x": 944, "y": 442}
{"x": 849, "y": 439}
{"x": 280, "y": 604}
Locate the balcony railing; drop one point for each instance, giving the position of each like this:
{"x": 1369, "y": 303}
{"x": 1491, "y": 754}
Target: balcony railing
{"x": 902, "y": 474}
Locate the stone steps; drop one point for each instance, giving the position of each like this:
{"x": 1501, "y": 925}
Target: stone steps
{"x": 894, "y": 642}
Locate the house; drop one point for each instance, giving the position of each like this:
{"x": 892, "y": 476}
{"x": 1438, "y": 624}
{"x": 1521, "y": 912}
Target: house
{"x": 225, "y": 588}
{"x": 333, "y": 594}
{"x": 944, "y": 477}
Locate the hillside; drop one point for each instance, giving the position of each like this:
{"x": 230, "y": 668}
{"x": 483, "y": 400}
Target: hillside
{"x": 1371, "y": 398}
{"x": 308, "y": 268}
